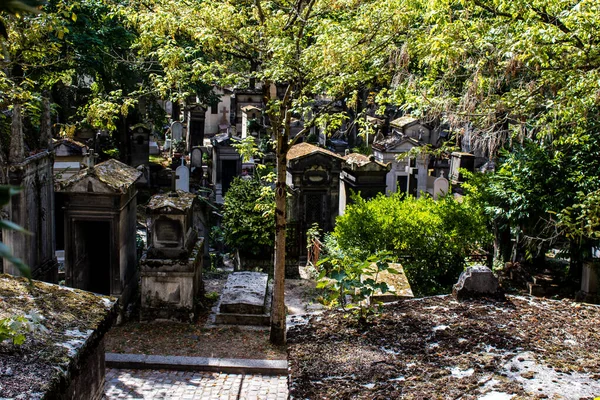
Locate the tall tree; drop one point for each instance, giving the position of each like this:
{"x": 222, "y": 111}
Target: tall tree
{"x": 310, "y": 48}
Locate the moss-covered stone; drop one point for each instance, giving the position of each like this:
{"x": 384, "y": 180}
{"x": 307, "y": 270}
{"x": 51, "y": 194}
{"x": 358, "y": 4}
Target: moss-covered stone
{"x": 73, "y": 324}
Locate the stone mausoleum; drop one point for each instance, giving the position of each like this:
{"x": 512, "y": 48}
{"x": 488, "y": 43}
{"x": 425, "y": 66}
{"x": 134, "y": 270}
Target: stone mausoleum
{"x": 313, "y": 175}
{"x": 171, "y": 270}
{"x": 33, "y": 207}
{"x": 100, "y": 229}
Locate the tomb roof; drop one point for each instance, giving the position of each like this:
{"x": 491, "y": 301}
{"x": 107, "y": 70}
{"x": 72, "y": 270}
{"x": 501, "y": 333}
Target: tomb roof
{"x": 70, "y": 322}
{"x": 304, "y": 149}
{"x": 393, "y": 141}
{"x": 250, "y": 108}
{"x": 404, "y": 121}
{"x": 357, "y": 161}
{"x": 114, "y": 174}
{"x": 70, "y": 143}
{"x": 178, "y": 200}
{"x": 375, "y": 120}
{"x": 141, "y": 125}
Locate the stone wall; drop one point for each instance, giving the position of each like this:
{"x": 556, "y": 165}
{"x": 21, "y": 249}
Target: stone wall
{"x": 33, "y": 209}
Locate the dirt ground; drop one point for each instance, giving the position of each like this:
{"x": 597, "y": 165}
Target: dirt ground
{"x": 181, "y": 339}
{"x": 438, "y": 348}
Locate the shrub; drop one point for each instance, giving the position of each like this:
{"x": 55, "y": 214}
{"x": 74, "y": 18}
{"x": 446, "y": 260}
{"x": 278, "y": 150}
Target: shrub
{"x": 430, "y": 238}
{"x": 351, "y": 283}
{"x": 249, "y": 216}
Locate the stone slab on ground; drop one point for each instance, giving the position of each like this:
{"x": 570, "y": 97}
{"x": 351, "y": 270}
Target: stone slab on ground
{"x": 244, "y": 293}
{"x": 225, "y": 365}
{"x": 397, "y": 283}
{"x": 153, "y": 384}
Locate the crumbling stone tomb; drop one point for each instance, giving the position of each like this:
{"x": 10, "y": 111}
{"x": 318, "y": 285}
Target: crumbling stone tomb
{"x": 171, "y": 270}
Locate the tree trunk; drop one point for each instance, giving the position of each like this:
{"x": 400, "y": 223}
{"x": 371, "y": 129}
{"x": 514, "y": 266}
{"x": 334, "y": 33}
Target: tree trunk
{"x": 278, "y": 305}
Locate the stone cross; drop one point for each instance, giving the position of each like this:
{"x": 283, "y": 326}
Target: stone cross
{"x": 224, "y": 110}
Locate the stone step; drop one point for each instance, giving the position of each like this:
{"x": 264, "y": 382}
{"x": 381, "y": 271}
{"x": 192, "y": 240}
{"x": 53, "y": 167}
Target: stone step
{"x": 182, "y": 363}
{"x": 538, "y": 290}
{"x": 242, "y": 319}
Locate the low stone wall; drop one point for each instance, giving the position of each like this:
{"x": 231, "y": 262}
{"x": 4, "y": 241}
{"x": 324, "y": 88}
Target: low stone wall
{"x": 88, "y": 383}
{"x": 65, "y": 360}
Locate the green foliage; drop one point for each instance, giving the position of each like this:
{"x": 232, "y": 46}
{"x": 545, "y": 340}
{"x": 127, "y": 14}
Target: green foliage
{"x": 15, "y": 328}
{"x": 431, "y": 239}
{"x": 582, "y": 220}
{"x": 542, "y": 194}
{"x": 249, "y": 216}
{"x": 350, "y": 282}
{"x": 112, "y": 153}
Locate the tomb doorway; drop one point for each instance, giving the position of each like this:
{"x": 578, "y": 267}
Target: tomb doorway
{"x": 229, "y": 171}
{"x": 92, "y": 256}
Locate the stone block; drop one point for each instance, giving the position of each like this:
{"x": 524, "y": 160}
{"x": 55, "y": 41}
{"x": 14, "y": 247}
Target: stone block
{"x": 477, "y": 281}
{"x": 244, "y": 293}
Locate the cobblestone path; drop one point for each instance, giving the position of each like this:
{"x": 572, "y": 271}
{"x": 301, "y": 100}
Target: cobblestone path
{"x": 163, "y": 384}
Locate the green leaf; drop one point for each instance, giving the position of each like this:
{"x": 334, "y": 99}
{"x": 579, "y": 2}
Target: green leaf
{"x": 6, "y": 224}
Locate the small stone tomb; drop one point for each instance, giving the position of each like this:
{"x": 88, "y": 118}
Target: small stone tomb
{"x": 245, "y": 300}
{"x": 477, "y": 281}
{"x": 99, "y": 229}
{"x": 171, "y": 269}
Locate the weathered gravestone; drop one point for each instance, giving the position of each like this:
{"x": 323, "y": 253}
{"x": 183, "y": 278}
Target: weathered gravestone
{"x": 171, "y": 270}
{"x": 182, "y": 178}
{"x": 440, "y": 187}
{"x": 477, "y": 281}
{"x": 177, "y": 131}
{"x": 245, "y": 300}
{"x": 140, "y": 145}
{"x": 196, "y": 158}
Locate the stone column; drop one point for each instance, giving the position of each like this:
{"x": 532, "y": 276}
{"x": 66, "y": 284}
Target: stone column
{"x": 16, "y": 152}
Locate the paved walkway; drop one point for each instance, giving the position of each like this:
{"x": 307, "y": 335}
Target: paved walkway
{"x": 165, "y": 384}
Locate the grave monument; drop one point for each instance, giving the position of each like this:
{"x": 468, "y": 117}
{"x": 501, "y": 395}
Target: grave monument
{"x": 100, "y": 229}
{"x": 171, "y": 269}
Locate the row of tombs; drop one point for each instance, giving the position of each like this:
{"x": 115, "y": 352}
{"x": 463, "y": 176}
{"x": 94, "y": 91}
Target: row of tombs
{"x": 98, "y": 216}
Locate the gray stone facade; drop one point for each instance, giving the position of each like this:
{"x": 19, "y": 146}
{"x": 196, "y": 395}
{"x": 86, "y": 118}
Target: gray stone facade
{"x": 100, "y": 229}
{"x": 171, "y": 269}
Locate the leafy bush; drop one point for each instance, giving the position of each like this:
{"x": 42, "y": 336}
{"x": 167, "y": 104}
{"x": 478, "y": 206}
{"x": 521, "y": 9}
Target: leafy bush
{"x": 348, "y": 278}
{"x": 249, "y": 216}
{"x": 430, "y": 238}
